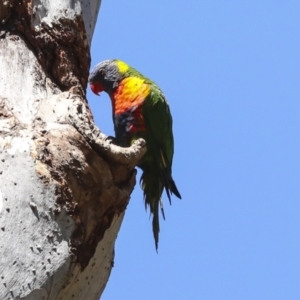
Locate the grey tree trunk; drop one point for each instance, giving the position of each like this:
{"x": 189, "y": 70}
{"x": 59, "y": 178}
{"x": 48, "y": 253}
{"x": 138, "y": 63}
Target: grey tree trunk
{"x": 63, "y": 186}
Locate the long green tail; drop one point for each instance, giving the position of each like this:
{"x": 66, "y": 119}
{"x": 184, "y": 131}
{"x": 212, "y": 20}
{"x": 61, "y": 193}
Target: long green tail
{"x": 153, "y": 184}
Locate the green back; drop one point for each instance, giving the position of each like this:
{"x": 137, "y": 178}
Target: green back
{"x": 158, "y": 121}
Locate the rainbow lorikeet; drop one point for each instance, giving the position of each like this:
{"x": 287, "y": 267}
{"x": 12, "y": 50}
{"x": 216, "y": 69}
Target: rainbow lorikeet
{"x": 140, "y": 110}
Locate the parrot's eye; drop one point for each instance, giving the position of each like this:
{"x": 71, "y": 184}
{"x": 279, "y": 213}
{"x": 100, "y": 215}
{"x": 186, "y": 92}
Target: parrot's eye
{"x": 102, "y": 72}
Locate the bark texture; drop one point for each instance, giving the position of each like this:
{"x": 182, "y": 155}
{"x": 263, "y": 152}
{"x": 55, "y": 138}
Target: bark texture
{"x": 63, "y": 185}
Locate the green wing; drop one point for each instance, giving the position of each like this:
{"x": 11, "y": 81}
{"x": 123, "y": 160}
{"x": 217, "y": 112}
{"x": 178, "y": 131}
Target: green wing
{"x": 159, "y": 137}
{"x": 158, "y": 121}
{"x": 157, "y": 162}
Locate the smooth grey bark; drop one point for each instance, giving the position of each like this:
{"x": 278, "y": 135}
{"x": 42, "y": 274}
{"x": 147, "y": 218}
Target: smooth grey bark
{"x": 64, "y": 186}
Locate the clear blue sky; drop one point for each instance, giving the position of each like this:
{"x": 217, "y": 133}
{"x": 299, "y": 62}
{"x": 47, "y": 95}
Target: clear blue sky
{"x": 231, "y": 73}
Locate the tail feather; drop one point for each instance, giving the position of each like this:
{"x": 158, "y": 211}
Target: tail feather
{"x": 162, "y": 209}
{"x": 155, "y": 227}
{"x": 174, "y": 189}
{"x": 153, "y": 184}
{"x": 165, "y": 172}
{"x": 169, "y": 185}
{"x": 152, "y": 187}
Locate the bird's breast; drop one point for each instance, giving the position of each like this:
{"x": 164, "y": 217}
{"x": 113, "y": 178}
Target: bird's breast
{"x": 130, "y": 92}
{"x": 127, "y": 101}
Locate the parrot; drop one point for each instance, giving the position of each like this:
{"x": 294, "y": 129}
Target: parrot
{"x": 140, "y": 110}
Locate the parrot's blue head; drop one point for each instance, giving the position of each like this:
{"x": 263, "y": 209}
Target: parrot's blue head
{"x": 105, "y": 76}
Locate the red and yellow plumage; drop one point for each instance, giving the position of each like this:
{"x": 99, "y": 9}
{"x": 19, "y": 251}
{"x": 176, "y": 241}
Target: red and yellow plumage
{"x": 130, "y": 95}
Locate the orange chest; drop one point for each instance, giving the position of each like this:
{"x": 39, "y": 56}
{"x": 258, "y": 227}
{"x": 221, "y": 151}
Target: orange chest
{"x": 130, "y": 93}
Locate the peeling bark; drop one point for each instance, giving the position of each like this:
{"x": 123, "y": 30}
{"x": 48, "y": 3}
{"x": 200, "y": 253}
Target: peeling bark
{"x": 64, "y": 186}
